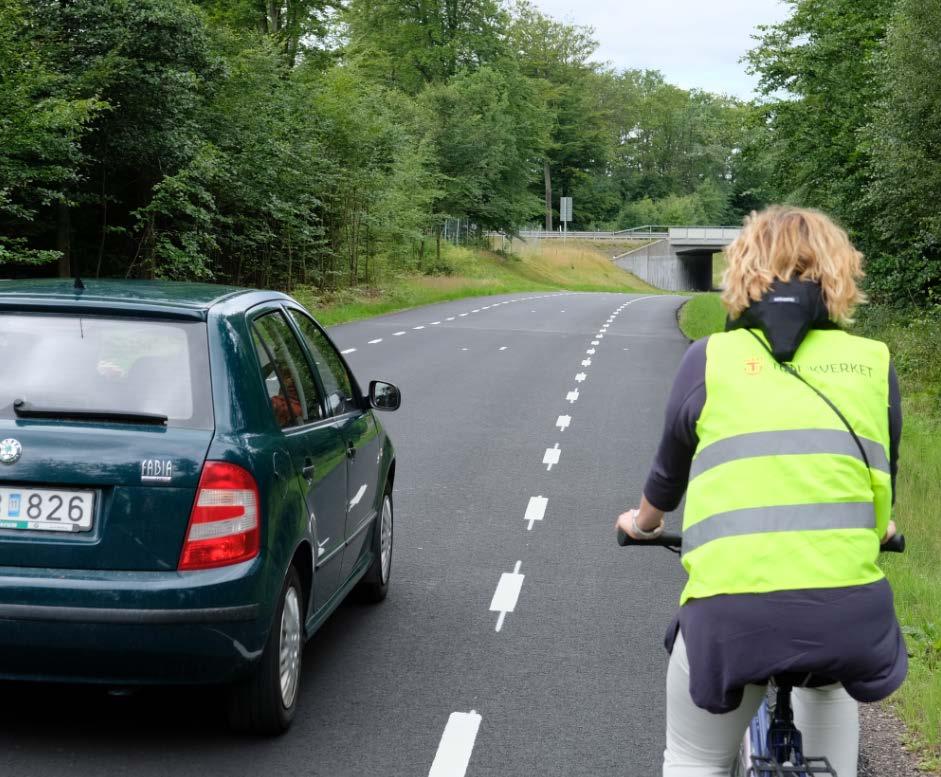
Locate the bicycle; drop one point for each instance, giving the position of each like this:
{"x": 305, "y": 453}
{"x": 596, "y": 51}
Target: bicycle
{"x": 772, "y": 745}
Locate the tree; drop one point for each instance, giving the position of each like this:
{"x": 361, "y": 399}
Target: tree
{"x": 490, "y": 131}
{"x": 903, "y": 145}
{"x": 412, "y": 43}
{"x": 559, "y": 55}
{"x": 40, "y": 132}
{"x": 817, "y": 69}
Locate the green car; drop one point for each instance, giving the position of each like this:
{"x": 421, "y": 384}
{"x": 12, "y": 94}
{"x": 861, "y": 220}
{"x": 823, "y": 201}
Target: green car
{"x": 191, "y": 481}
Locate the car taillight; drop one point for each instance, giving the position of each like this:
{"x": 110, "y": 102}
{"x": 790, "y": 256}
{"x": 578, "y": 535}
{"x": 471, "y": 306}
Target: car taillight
{"x": 224, "y": 527}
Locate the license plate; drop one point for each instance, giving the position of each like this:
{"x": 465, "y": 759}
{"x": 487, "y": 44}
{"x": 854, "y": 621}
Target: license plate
{"x": 40, "y": 509}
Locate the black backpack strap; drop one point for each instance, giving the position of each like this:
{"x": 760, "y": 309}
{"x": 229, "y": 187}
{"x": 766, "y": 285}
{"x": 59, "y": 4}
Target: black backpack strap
{"x": 790, "y": 370}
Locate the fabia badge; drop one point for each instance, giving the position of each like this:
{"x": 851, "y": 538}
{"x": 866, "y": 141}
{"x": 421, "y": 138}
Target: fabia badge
{"x": 10, "y": 450}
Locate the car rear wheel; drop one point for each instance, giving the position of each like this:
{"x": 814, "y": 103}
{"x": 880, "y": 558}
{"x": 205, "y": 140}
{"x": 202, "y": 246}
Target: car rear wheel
{"x": 375, "y": 583}
{"x": 265, "y": 702}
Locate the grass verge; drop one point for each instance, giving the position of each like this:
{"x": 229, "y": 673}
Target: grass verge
{"x": 470, "y": 273}
{"x": 914, "y": 339}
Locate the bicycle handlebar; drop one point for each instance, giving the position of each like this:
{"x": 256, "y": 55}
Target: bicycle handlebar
{"x": 664, "y": 540}
{"x": 895, "y": 545}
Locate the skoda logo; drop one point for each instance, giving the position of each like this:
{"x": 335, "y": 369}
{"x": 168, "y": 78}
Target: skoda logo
{"x": 10, "y": 450}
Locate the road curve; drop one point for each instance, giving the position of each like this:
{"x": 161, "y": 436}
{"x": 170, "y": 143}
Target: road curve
{"x": 528, "y": 422}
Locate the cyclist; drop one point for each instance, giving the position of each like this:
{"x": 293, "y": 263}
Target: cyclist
{"x": 783, "y": 433}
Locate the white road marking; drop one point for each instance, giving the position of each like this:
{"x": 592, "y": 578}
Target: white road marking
{"x": 552, "y": 457}
{"x": 535, "y": 510}
{"x": 463, "y": 314}
{"x": 572, "y": 396}
{"x": 594, "y": 342}
{"x": 418, "y": 327}
{"x": 502, "y": 347}
{"x": 456, "y": 745}
{"x": 590, "y": 351}
{"x": 600, "y": 335}
{"x": 348, "y": 350}
{"x": 377, "y": 340}
{"x": 398, "y": 334}
{"x": 580, "y": 378}
{"x": 476, "y": 311}
{"x": 435, "y": 323}
{"x": 586, "y": 362}
{"x": 507, "y": 593}
{"x": 464, "y": 349}
{"x": 563, "y": 422}
{"x": 449, "y": 318}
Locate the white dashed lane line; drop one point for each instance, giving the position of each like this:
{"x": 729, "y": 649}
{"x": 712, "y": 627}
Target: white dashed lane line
{"x": 551, "y": 457}
{"x": 377, "y": 340}
{"x": 572, "y": 396}
{"x": 580, "y": 378}
{"x": 348, "y": 350}
{"x": 563, "y": 422}
{"x": 456, "y": 745}
{"x": 535, "y": 510}
{"x": 398, "y": 334}
{"x": 507, "y": 593}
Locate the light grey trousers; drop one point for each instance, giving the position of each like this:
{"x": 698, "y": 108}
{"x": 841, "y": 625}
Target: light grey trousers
{"x": 702, "y": 744}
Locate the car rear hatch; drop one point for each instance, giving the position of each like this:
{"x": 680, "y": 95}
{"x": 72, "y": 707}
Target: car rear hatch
{"x": 105, "y": 423}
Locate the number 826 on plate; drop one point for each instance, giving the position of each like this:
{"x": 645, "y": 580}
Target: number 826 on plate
{"x": 40, "y": 509}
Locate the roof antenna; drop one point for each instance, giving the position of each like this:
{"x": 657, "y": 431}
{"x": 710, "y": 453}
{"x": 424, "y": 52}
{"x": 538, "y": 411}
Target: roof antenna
{"x": 78, "y": 285}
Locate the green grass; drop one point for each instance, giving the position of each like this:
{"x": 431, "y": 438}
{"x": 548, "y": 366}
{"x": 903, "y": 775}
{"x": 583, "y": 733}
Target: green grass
{"x": 463, "y": 272}
{"x": 702, "y": 316}
{"x": 914, "y": 339}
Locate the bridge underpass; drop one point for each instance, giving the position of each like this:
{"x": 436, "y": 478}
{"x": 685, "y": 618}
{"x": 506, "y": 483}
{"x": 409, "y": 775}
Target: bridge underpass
{"x": 681, "y": 260}
{"x": 675, "y": 259}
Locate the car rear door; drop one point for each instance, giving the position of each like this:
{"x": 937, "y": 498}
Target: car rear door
{"x": 360, "y": 433}
{"x": 312, "y": 438}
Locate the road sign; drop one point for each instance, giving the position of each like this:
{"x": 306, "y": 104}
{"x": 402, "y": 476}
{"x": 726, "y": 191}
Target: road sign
{"x": 565, "y": 209}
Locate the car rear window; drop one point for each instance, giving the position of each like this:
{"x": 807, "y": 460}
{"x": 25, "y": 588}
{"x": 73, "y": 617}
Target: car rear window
{"x": 107, "y": 364}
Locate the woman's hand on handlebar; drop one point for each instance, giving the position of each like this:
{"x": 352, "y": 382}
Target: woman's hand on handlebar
{"x": 647, "y": 518}
{"x": 890, "y": 532}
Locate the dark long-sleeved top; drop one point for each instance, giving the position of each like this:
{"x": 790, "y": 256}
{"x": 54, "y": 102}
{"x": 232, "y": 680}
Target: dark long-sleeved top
{"x": 848, "y": 635}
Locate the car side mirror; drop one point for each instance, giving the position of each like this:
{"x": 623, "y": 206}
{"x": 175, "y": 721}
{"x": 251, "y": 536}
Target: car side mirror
{"x": 384, "y": 396}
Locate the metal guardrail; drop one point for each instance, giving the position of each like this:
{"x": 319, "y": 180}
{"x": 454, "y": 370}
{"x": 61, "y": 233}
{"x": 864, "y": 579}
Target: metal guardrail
{"x": 706, "y": 234}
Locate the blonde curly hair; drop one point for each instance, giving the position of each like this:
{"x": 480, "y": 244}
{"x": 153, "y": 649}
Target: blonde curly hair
{"x": 781, "y": 242}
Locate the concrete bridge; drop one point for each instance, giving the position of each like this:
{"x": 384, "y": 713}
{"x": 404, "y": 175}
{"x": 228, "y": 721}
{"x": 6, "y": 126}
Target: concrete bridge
{"x": 680, "y": 259}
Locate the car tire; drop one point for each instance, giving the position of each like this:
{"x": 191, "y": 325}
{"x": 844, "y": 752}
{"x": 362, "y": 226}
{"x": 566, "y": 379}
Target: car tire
{"x": 265, "y": 702}
{"x": 374, "y": 587}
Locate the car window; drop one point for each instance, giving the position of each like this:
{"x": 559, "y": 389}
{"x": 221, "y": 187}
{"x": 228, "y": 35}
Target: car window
{"x": 337, "y": 383}
{"x": 291, "y": 387}
{"x": 70, "y": 362}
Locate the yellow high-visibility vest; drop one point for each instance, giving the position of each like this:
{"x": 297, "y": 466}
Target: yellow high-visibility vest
{"x": 780, "y": 497}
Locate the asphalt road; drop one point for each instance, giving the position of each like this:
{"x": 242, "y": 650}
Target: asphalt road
{"x": 568, "y": 680}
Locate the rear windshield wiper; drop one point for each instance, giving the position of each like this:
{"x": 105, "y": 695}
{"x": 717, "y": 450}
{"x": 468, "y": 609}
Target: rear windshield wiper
{"x": 24, "y": 409}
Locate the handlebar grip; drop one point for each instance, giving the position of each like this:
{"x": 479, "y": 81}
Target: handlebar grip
{"x": 895, "y": 545}
{"x": 664, "y": 540}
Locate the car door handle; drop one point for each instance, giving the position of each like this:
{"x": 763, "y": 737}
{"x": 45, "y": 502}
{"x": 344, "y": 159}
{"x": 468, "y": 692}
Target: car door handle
{"x": 351, "y": 450}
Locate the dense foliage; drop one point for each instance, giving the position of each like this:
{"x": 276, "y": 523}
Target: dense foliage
{"x": 851, "y": 123}
{"x": 283, "y": 141}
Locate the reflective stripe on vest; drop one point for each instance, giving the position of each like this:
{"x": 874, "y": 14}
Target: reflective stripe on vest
{"x": 787, "y": 443}
{"x": 761, "y": 520}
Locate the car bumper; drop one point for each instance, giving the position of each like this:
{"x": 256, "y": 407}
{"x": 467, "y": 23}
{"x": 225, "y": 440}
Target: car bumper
{"x": 131, "y": 627}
